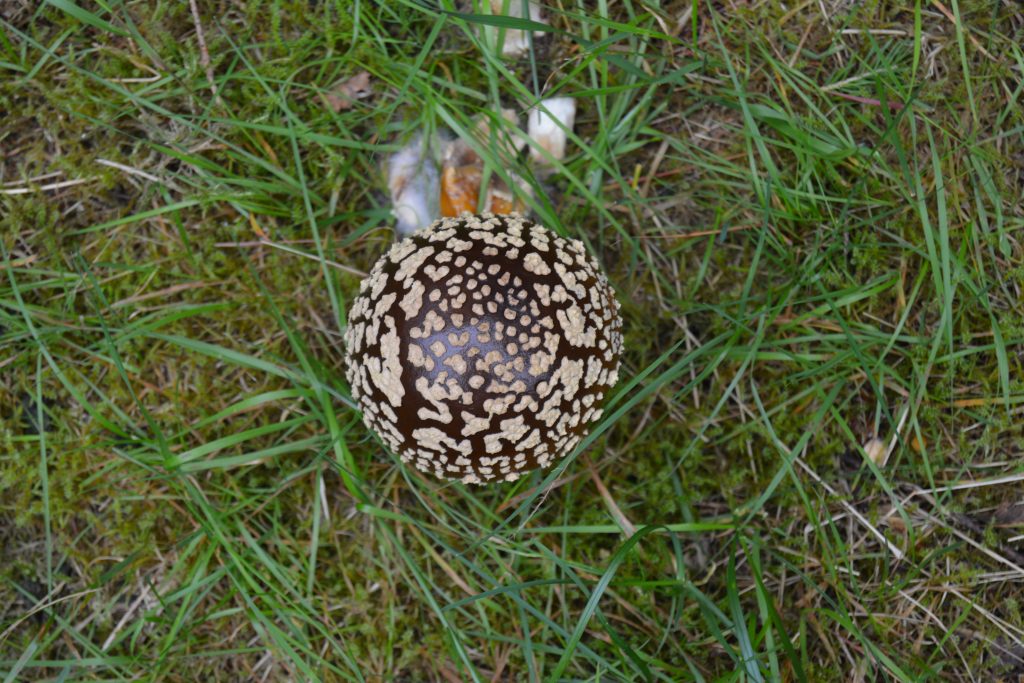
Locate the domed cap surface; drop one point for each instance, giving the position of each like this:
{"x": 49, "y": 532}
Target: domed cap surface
{"x": 481, "y": 347}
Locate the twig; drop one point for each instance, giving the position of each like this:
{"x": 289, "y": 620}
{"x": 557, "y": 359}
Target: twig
{"x": 697, "y": 233}
{"x": 130, "y": 170}
{"x": 896, "y": 435}
{"x": 167, "y": 291}
{"x": 34, "y": 179}
{"x": 18, "y": 263}
{"x": 204, "y": 54}
{"x": 339, "y": 266}
{"x": 259, "y": 243}
{"x": 44, "y": 605}
{"x": 897, "y": 553}
{"x": 143, "y": 594}
{"x": 627, "y": 526}
{"x": 892, "y": 104}
{"x": 981, "y": 483}
{"x": 960, "y": 25}
{"x": 46, "y": 188}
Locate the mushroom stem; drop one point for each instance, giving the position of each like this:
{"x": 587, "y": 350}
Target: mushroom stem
{"x": 415, "y": 184}
{"x": 548, "y": 126}
{"x": 515, "y": 42}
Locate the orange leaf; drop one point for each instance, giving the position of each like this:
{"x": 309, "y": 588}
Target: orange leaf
{"x": 460, "y": 190}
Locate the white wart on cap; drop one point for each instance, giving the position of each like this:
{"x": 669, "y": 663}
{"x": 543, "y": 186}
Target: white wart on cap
{"x": 481, "y": 347}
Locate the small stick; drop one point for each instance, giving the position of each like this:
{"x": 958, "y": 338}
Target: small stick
{"x": 130, "y": 170}
{"x": 962, "y": 27}
{"x": 335, "y": 264}
{"x": 204, "y": 54}
{"x": 897, "y": 553}
{"x": 46, "y": 188}
{"x": 892, "y": 104}
{"x": 627, "y": 526}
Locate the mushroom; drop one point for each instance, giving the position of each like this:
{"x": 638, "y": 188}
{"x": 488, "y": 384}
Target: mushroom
{"x": 547, "y": 126}
{"x": 480, "y": 348}
{"x": 414, "y": 185}
{"x": 514, "y": 42}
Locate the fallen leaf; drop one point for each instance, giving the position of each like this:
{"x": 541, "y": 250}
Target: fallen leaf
{"x": 1010, "y": 514}
{"x": 343, "y": 95}
{"x": 896, "y": 523}
{"x": 877, "y": 451}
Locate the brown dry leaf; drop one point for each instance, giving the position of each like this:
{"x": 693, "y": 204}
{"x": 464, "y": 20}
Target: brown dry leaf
{"x": 877, "y": 451}
{"x": 1010, "y": 514}
{"x": 343, "y": 95}
{"x": 896, "y": 523}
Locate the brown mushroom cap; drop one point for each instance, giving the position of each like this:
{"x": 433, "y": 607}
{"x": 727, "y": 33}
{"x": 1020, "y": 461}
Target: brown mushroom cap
{"x": 481, "y": 347}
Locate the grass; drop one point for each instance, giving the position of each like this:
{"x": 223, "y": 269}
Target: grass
{"x": 811, "y": 214}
